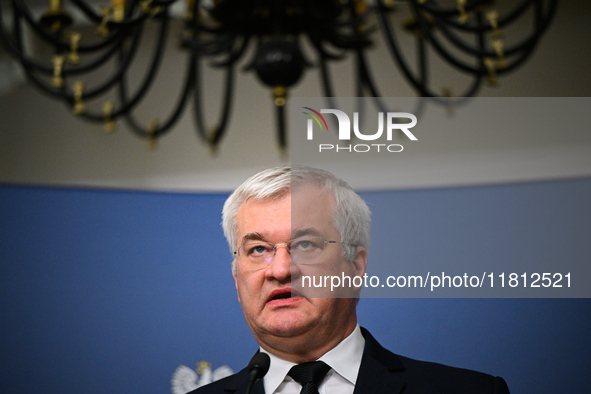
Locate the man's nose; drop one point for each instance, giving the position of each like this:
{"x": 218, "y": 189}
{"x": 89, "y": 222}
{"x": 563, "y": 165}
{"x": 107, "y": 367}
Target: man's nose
{"x": 280, "y": 267}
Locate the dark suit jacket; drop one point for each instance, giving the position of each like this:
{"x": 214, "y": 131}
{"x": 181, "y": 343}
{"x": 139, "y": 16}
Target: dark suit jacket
{"x": 383, "y": 372}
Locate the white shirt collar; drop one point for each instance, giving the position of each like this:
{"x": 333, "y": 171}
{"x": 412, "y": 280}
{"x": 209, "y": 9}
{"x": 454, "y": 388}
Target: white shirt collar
{"x": 344, "y": 359}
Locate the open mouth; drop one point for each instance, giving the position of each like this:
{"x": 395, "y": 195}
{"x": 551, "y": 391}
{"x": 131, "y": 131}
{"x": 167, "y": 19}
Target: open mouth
{"x": 282, "y": 294}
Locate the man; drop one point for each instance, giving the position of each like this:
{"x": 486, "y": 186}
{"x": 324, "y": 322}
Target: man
{"x": 285, "y": 223}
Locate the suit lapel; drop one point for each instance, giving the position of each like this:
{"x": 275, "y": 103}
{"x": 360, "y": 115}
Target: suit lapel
{"x": 377, "y": 373}
{"x": 239, "y": 382}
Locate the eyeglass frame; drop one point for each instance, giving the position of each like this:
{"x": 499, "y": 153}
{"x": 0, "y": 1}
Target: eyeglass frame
{"x": 288, "y": 245}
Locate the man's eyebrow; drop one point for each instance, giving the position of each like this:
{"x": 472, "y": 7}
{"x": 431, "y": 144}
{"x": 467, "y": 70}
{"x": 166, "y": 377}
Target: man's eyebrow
{"x": 253, "y": 237}
{"x": 306, "y": 231}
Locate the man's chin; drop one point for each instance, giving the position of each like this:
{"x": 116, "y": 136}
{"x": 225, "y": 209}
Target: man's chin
{"x": 287, "y": 324}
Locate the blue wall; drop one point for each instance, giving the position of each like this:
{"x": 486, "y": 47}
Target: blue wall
{"x": 109, "y": 291}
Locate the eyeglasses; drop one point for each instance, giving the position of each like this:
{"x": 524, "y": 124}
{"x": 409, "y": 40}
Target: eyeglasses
{"x": 303, "y": 250}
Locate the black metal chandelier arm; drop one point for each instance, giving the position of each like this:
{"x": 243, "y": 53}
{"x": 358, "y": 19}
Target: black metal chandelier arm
{"x": 158, "y": 130}
{"x": 156, "y": 60}
{"x": 96, "y": 91}
{"x": 218, "y": 131}
{"x": 436, "y": 10}
{"x": 112, "y": 40}
{"x": 526, "y": 44}
{"x": 234, "y": 55}
{"x": 97, "y": 17}
{"x": 442, "y": 51}
{"x": 16, "y": 49}
{"x": 457, "y": 43}
{"x": 522, "y": 51}
{"x": 518, "y": 56}
{"x": 251, "y": 63}
{"x": 520, "y": 9}
{"x": 326, "y": 82}
{"x": 104, "y": 57}
{"x": 331, "y": 29}
{"x": 325, "y": 77}
{"x": 365, "y": 82}
{"x": 125, "y": 63}
{"x": 434, "y": 6}
{"x": 62, "y": 94}
{"x": 158, "y": 3}
{"x": 396, "y": 53}
{"x": 401, "y": 61}
{"x": 67, "y": 71}
{"x": 209, "y": 47}
{"x": 451, "y": 16}
{"x": 219, "y": 39}
{"x": 354, "y": 21}
{"x": 130, "y": 103}
{"x": 342, "y": 40}
{"x": 130, "y": 9}
{"x": 61, "y": 44}
{"x": 132, "y": 22}
{"x": 88, "y": 11}
{"x": 21, "y": 11}
{"x": 194, "y": 25}
{"x": 542, "y": 22}
{"x": 460, "y": 98}
{"x": 321, "y": 49}
{"x": 281, "y": 129}
{"x": 28, "y": 68}
{"x": 365, "y": 74}
{"x": 477, "y": 78}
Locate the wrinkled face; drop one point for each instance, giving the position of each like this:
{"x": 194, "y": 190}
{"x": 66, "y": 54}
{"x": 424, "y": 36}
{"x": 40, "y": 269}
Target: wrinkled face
{"x": 282, "y": 324}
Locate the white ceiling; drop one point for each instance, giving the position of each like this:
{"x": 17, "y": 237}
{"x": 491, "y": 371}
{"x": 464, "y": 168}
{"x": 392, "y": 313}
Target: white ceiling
{"x": 41, "y": 143}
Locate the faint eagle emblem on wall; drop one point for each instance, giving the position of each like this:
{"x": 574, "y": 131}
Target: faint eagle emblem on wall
{"x": 184, "y": 379}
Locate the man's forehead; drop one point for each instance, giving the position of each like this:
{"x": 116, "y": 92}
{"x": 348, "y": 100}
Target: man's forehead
{"x": 266, "y": 203}
{"x": 306, "y": 210}
{"x": 311, "y": 199}
{"x": 299, "y": 192}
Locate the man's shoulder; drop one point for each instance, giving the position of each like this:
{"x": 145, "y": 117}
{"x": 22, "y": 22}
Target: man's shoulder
{"x": 422, "y": 376}
{"x": 426, "y": 375}
{"x": 226, "y": 385}
{"x": 382, "y": 371}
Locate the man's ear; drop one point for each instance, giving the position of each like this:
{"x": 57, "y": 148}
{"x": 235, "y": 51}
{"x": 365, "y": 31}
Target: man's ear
{"x": 360, "y": 261}
{"x": 235, "y": 278}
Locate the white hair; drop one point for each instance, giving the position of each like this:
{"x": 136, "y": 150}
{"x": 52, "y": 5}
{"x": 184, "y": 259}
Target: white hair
{"x": 351, "y": 216}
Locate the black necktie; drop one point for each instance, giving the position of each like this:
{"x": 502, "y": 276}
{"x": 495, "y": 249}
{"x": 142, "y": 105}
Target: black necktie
{"x": 309, "y": 375}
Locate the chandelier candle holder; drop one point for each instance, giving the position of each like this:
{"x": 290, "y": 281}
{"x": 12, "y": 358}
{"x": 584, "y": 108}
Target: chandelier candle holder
{"x": 278, "y": 39}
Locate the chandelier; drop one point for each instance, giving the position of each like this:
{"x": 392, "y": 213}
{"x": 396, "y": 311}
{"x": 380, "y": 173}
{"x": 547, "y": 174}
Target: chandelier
{"x": 277, "y": 40}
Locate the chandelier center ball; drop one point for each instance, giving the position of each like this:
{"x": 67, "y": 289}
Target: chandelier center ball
{"x": 279, "y": 62}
